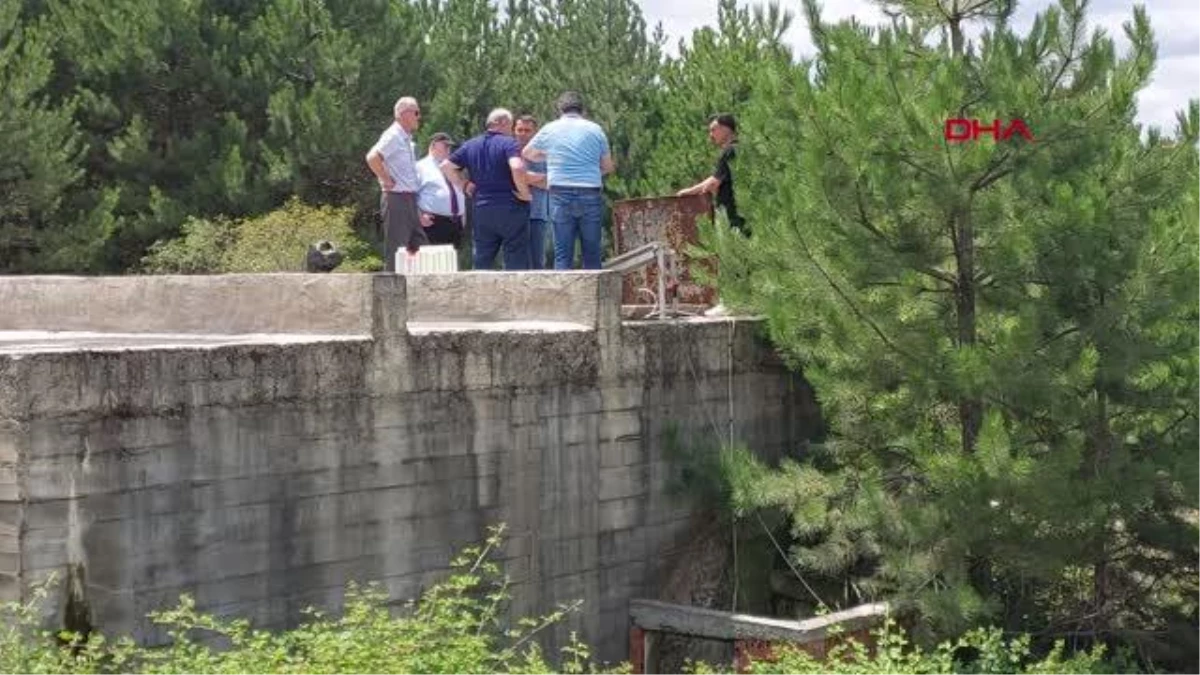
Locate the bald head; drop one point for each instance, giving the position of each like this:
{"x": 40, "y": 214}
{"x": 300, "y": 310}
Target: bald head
{"x": 501, "y": 120}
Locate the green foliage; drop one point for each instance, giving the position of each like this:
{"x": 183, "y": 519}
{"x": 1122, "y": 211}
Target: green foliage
{"x": 978, "y": 651}
{"x": 458, "y": 626}
{"x": 155, "y": 112}
{"x": 712, "y": 75}
{"x": 1001, "y": 334}
{"x": 39, "y": 144}
{"x": 275, "y": 242}
{"x": 200, "y": 248}
{"x": 279, "y": 240}
{"x": 203, "y": 109}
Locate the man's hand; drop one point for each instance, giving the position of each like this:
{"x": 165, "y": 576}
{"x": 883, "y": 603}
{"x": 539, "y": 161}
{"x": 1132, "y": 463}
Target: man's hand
{"x": 469, "y": 189}
{"x": 523, "y": 196}
{"x": 534, "y": 179}
{"x": 386, "y": 184}
{"x": 426, "y": 219}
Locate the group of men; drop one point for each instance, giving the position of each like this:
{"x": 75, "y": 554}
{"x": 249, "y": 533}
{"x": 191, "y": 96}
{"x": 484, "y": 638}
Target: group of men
{"x": 527, "y": 186}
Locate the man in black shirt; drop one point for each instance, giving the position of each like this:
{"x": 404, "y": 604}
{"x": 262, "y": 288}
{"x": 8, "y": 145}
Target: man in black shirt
{"x": 722, "y": 130}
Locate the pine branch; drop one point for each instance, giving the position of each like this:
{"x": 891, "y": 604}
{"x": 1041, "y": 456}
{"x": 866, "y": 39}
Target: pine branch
{"x": 1068, "y": 58}
{"x": 1056, "y": 337}
{"x": 858, "y": 313}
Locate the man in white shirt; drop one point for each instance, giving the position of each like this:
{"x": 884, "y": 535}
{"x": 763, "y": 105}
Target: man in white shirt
{"x": 393, "y": 162}
{"x": 441, "y": 204}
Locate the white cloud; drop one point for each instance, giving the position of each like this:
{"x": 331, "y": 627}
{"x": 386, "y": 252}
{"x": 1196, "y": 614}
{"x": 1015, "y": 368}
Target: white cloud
{"x": 1176, "y": 24}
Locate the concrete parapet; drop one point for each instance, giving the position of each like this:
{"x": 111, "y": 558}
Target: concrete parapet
{"x": 590, "y": 299}
{"x": 230, "y": 304}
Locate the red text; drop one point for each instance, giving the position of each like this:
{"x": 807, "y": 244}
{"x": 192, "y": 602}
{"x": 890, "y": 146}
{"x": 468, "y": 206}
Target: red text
{"x": 959, "y": 130}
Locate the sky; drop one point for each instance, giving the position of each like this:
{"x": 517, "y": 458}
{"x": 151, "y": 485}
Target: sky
{"x": 1176, "y": 25}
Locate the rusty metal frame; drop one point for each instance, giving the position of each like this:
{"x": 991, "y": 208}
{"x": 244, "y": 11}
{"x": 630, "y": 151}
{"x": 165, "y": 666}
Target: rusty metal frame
{"x": 674, "y": 221}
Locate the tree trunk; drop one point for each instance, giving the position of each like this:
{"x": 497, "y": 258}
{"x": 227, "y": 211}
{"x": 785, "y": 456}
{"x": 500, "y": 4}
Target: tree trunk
{"x": 1101, "y": 443}
{"x": 970, "y": 409}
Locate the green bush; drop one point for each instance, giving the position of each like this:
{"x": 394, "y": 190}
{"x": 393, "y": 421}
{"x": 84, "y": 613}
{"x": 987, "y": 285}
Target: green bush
{"x": 278, "y": 241}
{"x": 978, "y": 651}
{"x": 200, "y": 249}
{"x": 275, "y": 242}
{"x": 457, "y": 626}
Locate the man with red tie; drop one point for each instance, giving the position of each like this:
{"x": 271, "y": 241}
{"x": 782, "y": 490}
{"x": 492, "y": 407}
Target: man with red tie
{"x": 441, "y": 204}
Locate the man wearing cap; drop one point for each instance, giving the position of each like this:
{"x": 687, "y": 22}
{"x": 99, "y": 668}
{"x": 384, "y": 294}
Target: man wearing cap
{"x": 441, "y": 203}
{"x": 393, "y": 162}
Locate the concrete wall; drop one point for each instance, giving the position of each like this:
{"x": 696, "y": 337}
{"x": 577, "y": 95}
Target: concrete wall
{"x": 261, "y": 478}
{"x": 229, "y": 304}
{"x": 571, "y": 297}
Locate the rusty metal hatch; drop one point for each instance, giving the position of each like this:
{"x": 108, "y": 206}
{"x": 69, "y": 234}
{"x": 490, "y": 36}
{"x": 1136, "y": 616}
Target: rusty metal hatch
{"x": 675, "y": 220}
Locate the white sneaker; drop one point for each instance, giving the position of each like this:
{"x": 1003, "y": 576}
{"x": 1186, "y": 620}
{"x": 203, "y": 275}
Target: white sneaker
{"x": 719, "y": 310}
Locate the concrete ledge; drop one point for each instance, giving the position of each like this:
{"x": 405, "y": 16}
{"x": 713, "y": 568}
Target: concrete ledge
{"x": 337, "y": 304}
{"x": 716, "y": 625}
{"x": 123, "y": 383}
{"x": 590, "y": 299}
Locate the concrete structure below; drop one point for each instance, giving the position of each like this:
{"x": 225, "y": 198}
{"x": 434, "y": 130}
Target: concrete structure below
{"x": 258, "y": 441}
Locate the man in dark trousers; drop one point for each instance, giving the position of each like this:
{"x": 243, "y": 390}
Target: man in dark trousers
{"x": 392, "y": 161}
{"x": 500, "y": 190}
{"x": 722, "y": 130}
{"x": 441, "y": 204}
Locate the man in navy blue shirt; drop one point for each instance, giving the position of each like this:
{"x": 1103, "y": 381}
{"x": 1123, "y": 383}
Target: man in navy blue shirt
{"x": 500, "y": 190}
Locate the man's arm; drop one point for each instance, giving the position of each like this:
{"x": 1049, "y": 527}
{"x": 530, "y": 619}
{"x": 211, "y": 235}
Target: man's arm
{"x": 375, "y": 162}
{"x": 427, "y": 173}
{"x": 533, "y": 154}
{"x": 535, "y": 179}
{"x": 709, "y": 184}
{"x": 607, "y": 165}
{"x": 453, "y": 173}
{"x": 535, "y": 149}
{"x": 720, "y": 174}
{"x": 520, "y": 179}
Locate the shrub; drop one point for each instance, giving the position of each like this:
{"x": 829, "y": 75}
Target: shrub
{"x": 983, "y": 650}
{"x": 275, "y": 242}
{"x": 279, "y": 240}
{"x": 200, "y": 249}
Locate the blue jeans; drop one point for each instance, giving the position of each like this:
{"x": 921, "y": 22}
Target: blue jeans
{"x": 504, "y": 224}
{"x": 539, "y": 234}
{"x": 576, "y": 213}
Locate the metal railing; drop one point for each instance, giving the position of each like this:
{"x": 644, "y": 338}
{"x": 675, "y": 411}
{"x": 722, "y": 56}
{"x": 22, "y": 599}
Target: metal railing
{"x": 660, "y": 255}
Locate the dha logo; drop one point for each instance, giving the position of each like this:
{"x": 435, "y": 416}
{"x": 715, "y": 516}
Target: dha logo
{"x": 962, "y": 130}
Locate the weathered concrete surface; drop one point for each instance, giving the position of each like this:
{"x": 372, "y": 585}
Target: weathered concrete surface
{"x": 572, "y": 297}
{"x": 40, "y": 342}
{"x": 232, "y": 303}
{"x": 262, "y": 477}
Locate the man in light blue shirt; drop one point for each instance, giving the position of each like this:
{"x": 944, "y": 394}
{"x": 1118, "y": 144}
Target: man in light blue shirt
{"x": 577, "y": 157}
{"x": 540, "y": 234}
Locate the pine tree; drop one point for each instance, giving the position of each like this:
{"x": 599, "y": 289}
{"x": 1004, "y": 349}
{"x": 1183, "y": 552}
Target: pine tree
{"x": 713, "y": 74}
{"x": 603, "y": 50}
{"x": 39, "y": 145}
{"x": 1002, "y": 333}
